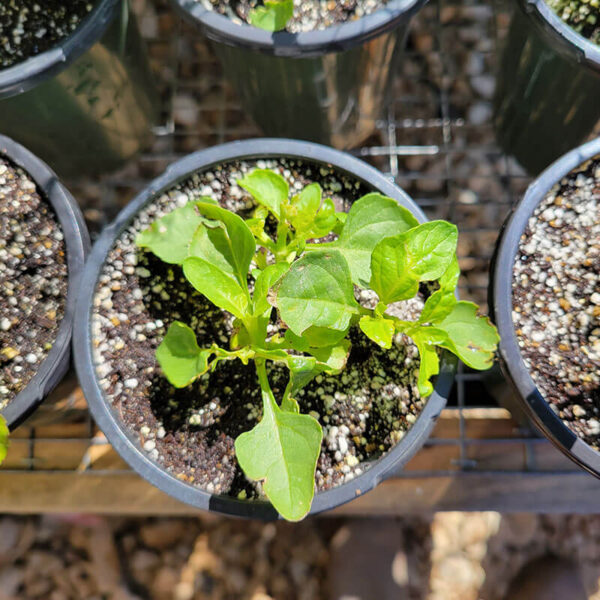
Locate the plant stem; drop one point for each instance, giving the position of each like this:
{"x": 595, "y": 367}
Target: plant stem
{"x": 265, "y": 386}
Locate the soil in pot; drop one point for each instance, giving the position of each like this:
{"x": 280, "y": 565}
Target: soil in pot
{"x": 190, "y": 432}
{"x": 556, "y": 300}
{"x": 583, "y": 16}
{"x": 309, "y": 15}
{"x": 33, "y": 279}
{"x": 30, "y": 27}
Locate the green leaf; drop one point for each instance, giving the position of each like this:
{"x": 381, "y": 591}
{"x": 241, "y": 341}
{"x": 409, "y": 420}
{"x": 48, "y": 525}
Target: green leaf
{"x": 169, "y": 237}
{"x": 426, "y": 339}
{"x": 332, "y": 359}
{"x": 380, "y": 330}
{"x": 430, "y": 249}
{"x": 325, "y": 220}
{"x": 317, "y": 291}
{"x": 304, "y": 208}
{"x": 268, "y": 188}
{"x": 390, "y": 277}
{"x": 318, "y": 337}
{"x": 282, "y": 452}
{"x": 4, "y": 438}
{"x": 400, "y": 262}
{"x": 180, "y": 357}
{"x": 371, "y": 218}
{"x": 302, "y": 371}
{"x": 273, "y": 16}
{"x": 228, "y": 244}
{"x": 264, "y": 282}
{"x": 473, "y": 339}
{"x": 439, "y": 305}
{"x": 219, "y": 287}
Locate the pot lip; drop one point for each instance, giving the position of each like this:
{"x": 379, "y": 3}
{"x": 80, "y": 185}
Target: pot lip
{"x": 337, "y": 38}
{"x": 501, "y": 307}
{"x": 77, "y": 242}
{"x": 570, "y": 42}
{"x": 124, "y": 441}
{"x": 27, "y": 74}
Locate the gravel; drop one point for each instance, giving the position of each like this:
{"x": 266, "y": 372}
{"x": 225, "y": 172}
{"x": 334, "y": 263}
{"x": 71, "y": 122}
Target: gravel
{"x": 309, "y": 15}
{"x": 30, "y": 27}
{"x": 33, "y": 279}
{"x": 364, "y": 412}
{"x": 556, "y": 301}
{"x": 582, "y": 15}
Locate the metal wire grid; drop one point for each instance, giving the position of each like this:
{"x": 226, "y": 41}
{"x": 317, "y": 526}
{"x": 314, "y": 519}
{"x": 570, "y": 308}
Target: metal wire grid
{"x": 435, "y": 140}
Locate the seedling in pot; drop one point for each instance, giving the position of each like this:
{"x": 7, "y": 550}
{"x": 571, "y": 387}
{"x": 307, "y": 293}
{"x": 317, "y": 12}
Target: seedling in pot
{"x": 274, "y": 261}
{"x": 273, "y": 15}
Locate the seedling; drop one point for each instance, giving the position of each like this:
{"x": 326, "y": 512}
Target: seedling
{"x": 273, "y": 15}
{"x": 379, "y": 246}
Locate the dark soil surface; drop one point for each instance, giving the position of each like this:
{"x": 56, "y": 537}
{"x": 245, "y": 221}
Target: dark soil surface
{"x": 30, "y": 27}
{"x": 309, "y": 15}
{"x": 191, "y": 432}
{"x": 556, "y": 299}
{"x": 582, "y": 16}
{"x": 33, "y": 279}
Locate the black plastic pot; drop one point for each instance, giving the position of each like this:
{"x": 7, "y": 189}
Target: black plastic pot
{"x": 86, "y": 105}
{"x": 77, "y": 243}
{"x": 500, "y": 301}
{"x": 107, "y": 418}
{"x": 325, "y": 86}
{"x": 548, "y": 87}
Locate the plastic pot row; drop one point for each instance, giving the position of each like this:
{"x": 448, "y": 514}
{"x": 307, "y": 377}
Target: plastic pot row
{"x": 87, "y": 105}
{"x": 83, "y": 286}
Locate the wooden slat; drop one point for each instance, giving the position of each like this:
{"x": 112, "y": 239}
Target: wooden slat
{"x": 61, "y": 492}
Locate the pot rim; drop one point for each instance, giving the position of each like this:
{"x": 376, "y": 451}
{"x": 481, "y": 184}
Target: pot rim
{"x": 123, "y": 440}
{"x": 514, "y": 367}
{"x": 77, "y": 243}
{"x": 34, "y": 70}
{"x": 562, "y": 35}
{"x": 338, "y": 38}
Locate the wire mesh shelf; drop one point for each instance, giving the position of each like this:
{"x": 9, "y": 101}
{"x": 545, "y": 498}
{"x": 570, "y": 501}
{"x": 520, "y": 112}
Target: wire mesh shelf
{"x": 436, "y": 141}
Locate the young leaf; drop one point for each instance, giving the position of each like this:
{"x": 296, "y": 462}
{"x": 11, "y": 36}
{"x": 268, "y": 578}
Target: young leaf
{"x": 264, "y": 282}
{"x": 390, "y": 276}
{"x": 380, "y": 330}
{"x": 268, "y": 188}
{"x": 4, "y": 438}
{"x": 282, "y": 451}
{"x": 302, "y": 371}
{"x": 169, "y": 237}
{"x": 317, "y": 291}
{"x": 304, "y": 208}
{"x": 426, "y": 339}
{"x": 422, "y": 253}
{"x": 440, "y": 304}
{"x": 430, "y": 249}
{"x": 180, "y": 357}
{"x": 229, "y": 245}
{"x": 325, "y": 220}
{"x": 370, "y": 219}
{"x": 273, "y": 16}
{"x": 473, "y": 339}
{"x": 218, "y": 286}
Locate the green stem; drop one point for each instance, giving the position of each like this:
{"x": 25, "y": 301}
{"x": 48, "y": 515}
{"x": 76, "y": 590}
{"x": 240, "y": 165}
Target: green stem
{"x": 281, "y": 249}
{"x": 265, "y": 386}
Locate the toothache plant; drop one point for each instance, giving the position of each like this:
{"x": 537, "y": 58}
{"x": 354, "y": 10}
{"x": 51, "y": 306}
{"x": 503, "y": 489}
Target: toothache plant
{"x": 242, "y": 268}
